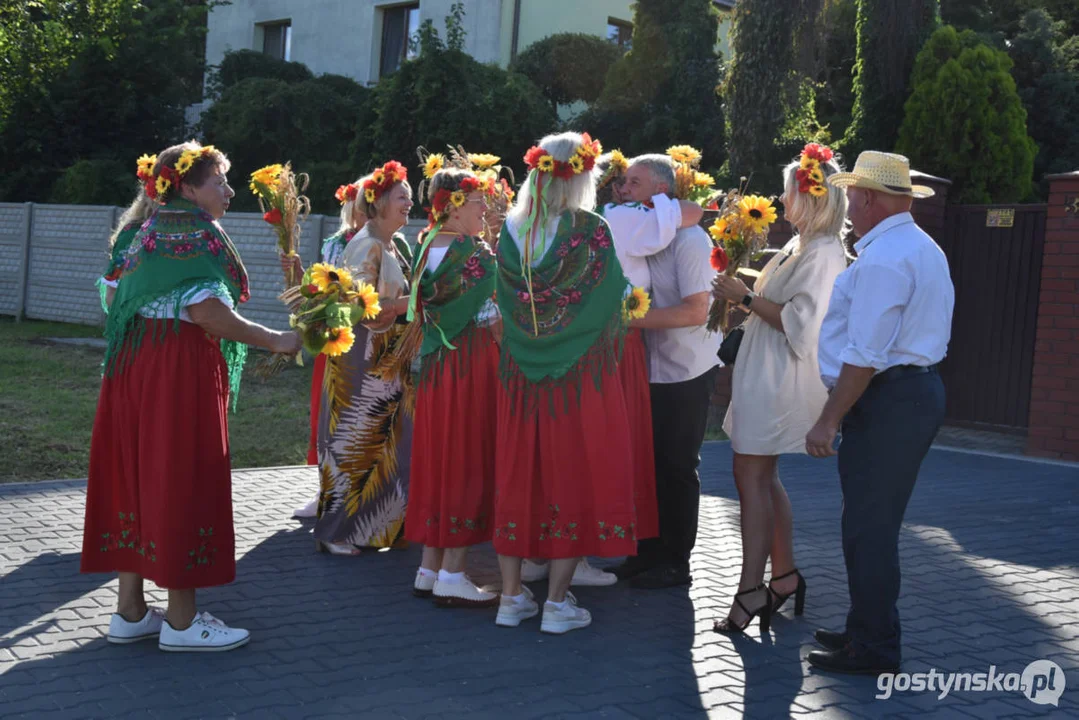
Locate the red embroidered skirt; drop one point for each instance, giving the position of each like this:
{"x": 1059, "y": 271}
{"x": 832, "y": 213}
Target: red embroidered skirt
{"x": 564, "y": 475}
{"x": 452, "y": 486}
{"x": 633, "y": 371}
{"x": 317, "y": 376}
{"x": 159, "y": 495}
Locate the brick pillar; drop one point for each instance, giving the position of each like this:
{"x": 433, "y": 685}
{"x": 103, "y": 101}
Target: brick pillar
{"x": 1054, "y": 399}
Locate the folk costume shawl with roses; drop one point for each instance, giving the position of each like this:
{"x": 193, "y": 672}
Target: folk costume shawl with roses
{"x": 578, "y": 324}
{"x": 116, "y": 260}
{"x": 450, "y": 297}
{"x": 179, "y": 252}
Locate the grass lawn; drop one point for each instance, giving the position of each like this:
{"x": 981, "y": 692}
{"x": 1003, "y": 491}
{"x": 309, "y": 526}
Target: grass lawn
{"x": 48, "y": 395}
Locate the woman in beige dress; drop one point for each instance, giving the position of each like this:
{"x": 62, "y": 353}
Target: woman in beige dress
{"x": 777, "y": 392}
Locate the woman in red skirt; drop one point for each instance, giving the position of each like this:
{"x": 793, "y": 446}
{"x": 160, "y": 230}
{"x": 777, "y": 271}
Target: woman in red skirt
{"x": 564, "y": 483}
{"x": 159, "y": 496}
{"x": 352, "y": 221}
{"x": 451, "y": 491}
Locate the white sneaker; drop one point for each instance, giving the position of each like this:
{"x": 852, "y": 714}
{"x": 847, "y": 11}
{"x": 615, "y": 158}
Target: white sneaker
{"x": 424, "y": 584}
{"x": 511, "y": 612}
{"x": 584, "y": 575}
{"x": 122, "y": 632}
{"x": 205, "y": 634}
{"x": 462, "y": 594}
{"x": 570, "y": 617}
{"x": 534, "y": 571}
{"x": 309, "y": 510}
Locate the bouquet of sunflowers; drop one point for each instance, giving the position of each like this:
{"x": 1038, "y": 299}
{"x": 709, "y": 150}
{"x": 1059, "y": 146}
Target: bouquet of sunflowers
{"x": 283, "y": 205}
{"x": 739, "y": 236}
{"x": 690, "y": 183}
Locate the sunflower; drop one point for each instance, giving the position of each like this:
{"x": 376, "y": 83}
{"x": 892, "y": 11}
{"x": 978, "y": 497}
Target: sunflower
{"x": 369, "y": 195}
{"x": 809, "y": 163}
{"x": 818, "y": 190}
{"x": 162, "y": 185}
{"x": 577, "y": 163}
{"x": 267, "y": 176}
{"x": 545, "y": 164}
{"x": 435, "y": 162}
{"x": 721, "y": 230}
{"x": 637, "y": 304}
{"x": 483, "y": 161}
{"x": 458, "y": 198}
{"x": 324, "y": 274}
{"x": 378, "y": 177}
{"x": 703, "y": 179}
{"x": 756, "y": 212}
{"x": 618, "y": 160}
{"x": 339, "y": 342}
{"x": 187, "y": 159}
{"x": 684, "y": 154}
{"x": 816, "y": 176}
{"x": 146, "y": 165}
{"x": 369, "y": 298}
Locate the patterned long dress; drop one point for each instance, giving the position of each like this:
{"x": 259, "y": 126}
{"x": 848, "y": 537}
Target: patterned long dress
{"x": 365, "y": 416}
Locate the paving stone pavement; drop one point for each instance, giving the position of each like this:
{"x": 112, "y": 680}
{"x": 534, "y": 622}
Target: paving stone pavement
{"x": 990, "y": 553}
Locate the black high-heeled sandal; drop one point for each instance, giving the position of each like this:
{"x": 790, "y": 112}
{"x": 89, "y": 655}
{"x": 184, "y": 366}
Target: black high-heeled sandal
{"x": 726, "y": 626}
{"x": 799, "y": 593}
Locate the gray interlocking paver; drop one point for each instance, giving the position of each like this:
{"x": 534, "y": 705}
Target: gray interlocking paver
{"x": 990, "y": 552}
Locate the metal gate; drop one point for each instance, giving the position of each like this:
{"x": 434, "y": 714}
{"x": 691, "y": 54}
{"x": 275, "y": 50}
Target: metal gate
{"x": 995, "y": 256}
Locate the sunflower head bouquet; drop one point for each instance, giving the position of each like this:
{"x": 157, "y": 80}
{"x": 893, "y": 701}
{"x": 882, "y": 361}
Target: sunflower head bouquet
{"x": 636, "y": 304}
{"x": 690, "y": 183}
{"x": 329, "y": 304}
{"x": 739, "y": 236}
{"x": 283, "y": 204}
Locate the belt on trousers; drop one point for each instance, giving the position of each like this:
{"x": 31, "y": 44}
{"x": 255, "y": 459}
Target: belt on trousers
{"x": 900, "y": 371}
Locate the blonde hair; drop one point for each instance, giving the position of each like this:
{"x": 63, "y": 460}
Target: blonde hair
{"x": 138, "y": 211}
{"x": 660, "y": 167}
{"x": 815, "y": 216}
{"x": 373, "y": 210}
{"x": 558, "y": 194}
{"x": 350, "y": 209}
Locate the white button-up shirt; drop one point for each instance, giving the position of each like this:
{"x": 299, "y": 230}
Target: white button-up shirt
{"x": 892, "y": 306}
{"x": 678, "y": 271}
{"x": 640, "y": 231}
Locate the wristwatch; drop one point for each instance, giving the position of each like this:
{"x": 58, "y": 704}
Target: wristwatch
{"x": 747, "y": 300}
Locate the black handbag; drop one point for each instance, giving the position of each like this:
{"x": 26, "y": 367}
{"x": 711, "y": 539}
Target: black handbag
{"x": 728, "y": 349}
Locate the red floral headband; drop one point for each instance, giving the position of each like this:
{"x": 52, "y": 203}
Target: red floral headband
{"x": 583, "y": 160}
{"x": 383, "y": 179}
{"x": 347, "y": 193}
{"x": 445, "y": 197}
{"x": 168, "y": 177}
{"x": 810, "y": 176}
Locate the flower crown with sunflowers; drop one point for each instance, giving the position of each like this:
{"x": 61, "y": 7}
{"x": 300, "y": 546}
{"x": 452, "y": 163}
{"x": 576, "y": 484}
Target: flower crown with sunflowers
{"x": 617, "y": 167}
{"x": 347, "y": 193}
{"x": 168, "y": 177}
{"x": 382, "y": 180}
{"x": 810, "y": 176}
{"x": 583, "y": 160}
{"x": 445, "y": 198}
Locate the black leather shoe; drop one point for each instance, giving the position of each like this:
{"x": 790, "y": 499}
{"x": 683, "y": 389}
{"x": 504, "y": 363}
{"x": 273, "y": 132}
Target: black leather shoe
{"x": 831, "y": 640}
{"x": 631, "y": 567}
{"x": 847, "y": 661}
{"x": 661, "y": 576}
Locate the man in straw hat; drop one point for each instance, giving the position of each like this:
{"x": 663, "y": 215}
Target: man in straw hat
{"x": 887, "y": 327}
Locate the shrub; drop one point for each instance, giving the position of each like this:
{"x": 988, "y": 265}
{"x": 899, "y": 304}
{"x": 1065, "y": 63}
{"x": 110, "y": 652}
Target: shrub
{"x": 554, "y": 65}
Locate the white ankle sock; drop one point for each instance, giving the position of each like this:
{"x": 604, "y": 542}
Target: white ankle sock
{"x": 448, "y": 577}
{"x": 519, "y": 599}
{"x": 428, "y": 573}
{"x": 559, "y": 605}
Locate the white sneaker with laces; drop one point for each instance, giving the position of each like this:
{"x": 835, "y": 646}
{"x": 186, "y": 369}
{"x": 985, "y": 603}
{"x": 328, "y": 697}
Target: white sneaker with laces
{"x": 584, "y": 575}
{"x": 462, "y": 594}
{"x": 205, "y": 634}
{"x": 309, "y": 510}
{"x": 122, "y": 632}
{"x": 558, "y": 621}
{"x": 534, "y": 571}
{"x": 424, "y": 584}
{"x": 511, "y": 612}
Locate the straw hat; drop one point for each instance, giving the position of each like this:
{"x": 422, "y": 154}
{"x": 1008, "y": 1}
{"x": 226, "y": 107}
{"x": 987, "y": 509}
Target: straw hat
{"x": 883, "y": 172}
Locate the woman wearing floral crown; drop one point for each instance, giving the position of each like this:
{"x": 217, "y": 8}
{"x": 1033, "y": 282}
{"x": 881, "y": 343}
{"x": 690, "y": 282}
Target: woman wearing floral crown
{"x": 365, "y": 415}
{"x": 776, "y": 390}
{"x": 352, "y": 221}
{"x": 562, "y": 490}
{"x": 451, "y": 489}
{"x": 159, "y": 496}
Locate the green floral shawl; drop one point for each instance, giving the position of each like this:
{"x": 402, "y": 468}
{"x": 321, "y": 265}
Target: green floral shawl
{"x": 181, "y": 252}
{"x": 116, "y": 260}
{"x": 451, "y": 295}
{"x": 577, "y": 291}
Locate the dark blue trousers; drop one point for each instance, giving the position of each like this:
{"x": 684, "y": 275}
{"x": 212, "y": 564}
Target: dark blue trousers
{"x": 885, "y": 437}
